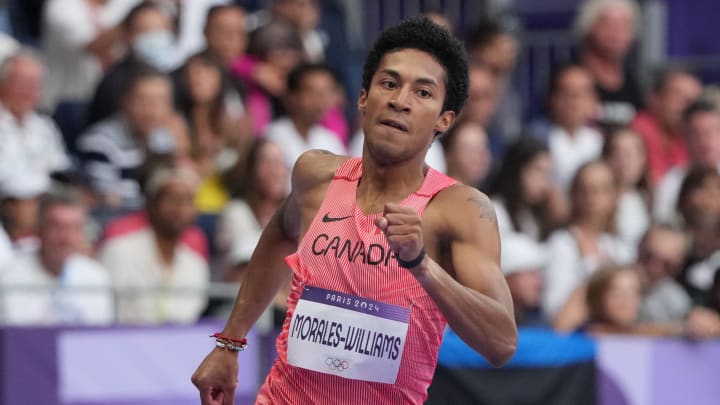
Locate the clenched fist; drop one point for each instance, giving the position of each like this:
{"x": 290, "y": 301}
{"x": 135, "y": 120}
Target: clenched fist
{"x": 403, "y": 229}
{"x": 217, "y": 378}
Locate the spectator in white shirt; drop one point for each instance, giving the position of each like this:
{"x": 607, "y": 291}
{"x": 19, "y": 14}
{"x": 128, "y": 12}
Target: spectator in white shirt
{"x": 585, "y": 245}
{"x": 624, "y": 150}
{"x": 572, "y": 102}
{"x": 58, "y": 283}
{"x": 158, "y": 278}
{"x": 525, "y": 198}
{"x": 312, "y": 91}
{"x": 79, "y": 39}
{"x": 29, "y": 142}
{"x": 259, "y": 185}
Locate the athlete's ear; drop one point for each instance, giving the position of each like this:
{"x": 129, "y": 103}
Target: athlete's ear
{"x": 444, "y": 121}
{"x": 362, "y": 101}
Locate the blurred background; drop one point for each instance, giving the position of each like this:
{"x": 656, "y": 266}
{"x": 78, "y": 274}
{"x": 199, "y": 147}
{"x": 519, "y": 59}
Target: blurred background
{"x": 144, "y": 145}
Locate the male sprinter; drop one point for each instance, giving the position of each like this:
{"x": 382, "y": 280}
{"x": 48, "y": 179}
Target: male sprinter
{"x": 383, "y": 250}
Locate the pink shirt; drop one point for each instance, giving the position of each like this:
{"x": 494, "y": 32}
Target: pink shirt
{"x": 343, "y": 251}
{"x": 260, "y": 109}
{"x": 664, "y": 151}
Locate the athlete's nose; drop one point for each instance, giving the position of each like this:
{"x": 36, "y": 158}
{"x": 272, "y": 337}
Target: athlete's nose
{"x": 399, "y": 100}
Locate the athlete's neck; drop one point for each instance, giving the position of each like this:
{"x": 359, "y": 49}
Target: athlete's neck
{"x": 381, "y": 184}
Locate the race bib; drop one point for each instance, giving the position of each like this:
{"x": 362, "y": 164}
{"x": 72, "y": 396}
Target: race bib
{"x": 348, "y": 336}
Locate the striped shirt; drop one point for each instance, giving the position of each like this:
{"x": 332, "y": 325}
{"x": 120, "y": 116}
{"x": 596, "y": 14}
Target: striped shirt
{"x": 344, "y": 251}
{"x": 110, "y": 155}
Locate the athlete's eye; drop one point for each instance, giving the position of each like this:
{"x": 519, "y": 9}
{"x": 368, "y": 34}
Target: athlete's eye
{"x": 388, "y": 84}
{"x": 424, "y": 93}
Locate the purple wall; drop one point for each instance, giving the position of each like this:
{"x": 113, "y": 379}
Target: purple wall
{"x": 152, "y": 366}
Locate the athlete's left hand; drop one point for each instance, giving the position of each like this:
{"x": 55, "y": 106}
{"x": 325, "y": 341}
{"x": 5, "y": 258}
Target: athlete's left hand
{"x": 403, "y": 229}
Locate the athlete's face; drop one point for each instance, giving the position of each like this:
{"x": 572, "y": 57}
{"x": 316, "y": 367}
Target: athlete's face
{"x": 403, "y": 108}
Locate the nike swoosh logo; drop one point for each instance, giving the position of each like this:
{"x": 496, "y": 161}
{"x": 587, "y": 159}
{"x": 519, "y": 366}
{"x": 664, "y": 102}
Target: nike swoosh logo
{"x": 328, "y": 218}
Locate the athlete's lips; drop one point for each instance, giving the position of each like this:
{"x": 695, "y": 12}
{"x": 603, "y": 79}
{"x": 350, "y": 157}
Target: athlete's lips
{"x": 389, "y": 122}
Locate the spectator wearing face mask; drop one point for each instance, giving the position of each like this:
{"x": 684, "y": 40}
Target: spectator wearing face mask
{"x": 149, "y": 37}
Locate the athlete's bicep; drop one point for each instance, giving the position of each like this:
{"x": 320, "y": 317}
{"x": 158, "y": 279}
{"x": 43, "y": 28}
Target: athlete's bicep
{"x": 475, "y": 247}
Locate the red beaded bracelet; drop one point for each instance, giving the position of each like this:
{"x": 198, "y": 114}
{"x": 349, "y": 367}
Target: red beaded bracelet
{"x": 218, "y": 335}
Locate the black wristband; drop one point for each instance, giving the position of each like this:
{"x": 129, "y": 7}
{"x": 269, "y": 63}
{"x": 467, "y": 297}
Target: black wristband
{"x": 411, "y": 263}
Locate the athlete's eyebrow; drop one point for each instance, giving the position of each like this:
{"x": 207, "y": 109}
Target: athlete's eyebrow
{"x": 420, "y": 80}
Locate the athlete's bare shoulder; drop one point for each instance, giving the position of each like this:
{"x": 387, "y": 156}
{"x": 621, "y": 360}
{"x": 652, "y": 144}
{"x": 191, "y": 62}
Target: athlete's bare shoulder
{"x": 315, "y": 168}
{"x": 461, "y": 208}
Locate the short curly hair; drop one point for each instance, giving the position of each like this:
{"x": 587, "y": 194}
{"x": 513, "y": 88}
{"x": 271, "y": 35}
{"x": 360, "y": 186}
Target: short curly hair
{"x": 422, "y": 34}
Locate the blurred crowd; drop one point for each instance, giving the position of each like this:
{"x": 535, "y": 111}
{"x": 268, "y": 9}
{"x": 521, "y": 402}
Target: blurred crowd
{"x": 145, "y": 144}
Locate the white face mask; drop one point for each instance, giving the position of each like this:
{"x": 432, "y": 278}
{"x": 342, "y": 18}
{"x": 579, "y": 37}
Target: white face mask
{"x": 155, "y": 48}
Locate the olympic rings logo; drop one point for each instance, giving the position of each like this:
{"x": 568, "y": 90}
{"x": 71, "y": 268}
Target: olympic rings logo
{"x": 337, "y": 364}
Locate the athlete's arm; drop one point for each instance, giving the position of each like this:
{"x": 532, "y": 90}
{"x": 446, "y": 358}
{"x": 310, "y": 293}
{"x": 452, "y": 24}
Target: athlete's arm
{"x": 216, "y": 378}
{"x": 471, "y": 291}
{"x": 267, "y": 271}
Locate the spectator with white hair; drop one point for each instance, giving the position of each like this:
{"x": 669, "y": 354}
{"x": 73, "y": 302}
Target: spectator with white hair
{"x": 606, "y": 30}
{"x": 58, "y": 282}
{"x": 29, "y": 141}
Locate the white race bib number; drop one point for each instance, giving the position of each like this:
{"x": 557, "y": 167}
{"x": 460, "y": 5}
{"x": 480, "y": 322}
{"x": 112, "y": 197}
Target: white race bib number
{"x": 348, "y": 336}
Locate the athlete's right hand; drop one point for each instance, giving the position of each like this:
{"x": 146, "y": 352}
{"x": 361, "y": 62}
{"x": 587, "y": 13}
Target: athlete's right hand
{"x": 217, "y": 377}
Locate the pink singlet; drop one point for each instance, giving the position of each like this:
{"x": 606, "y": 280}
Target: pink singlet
{"x": 359, "y": 328}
